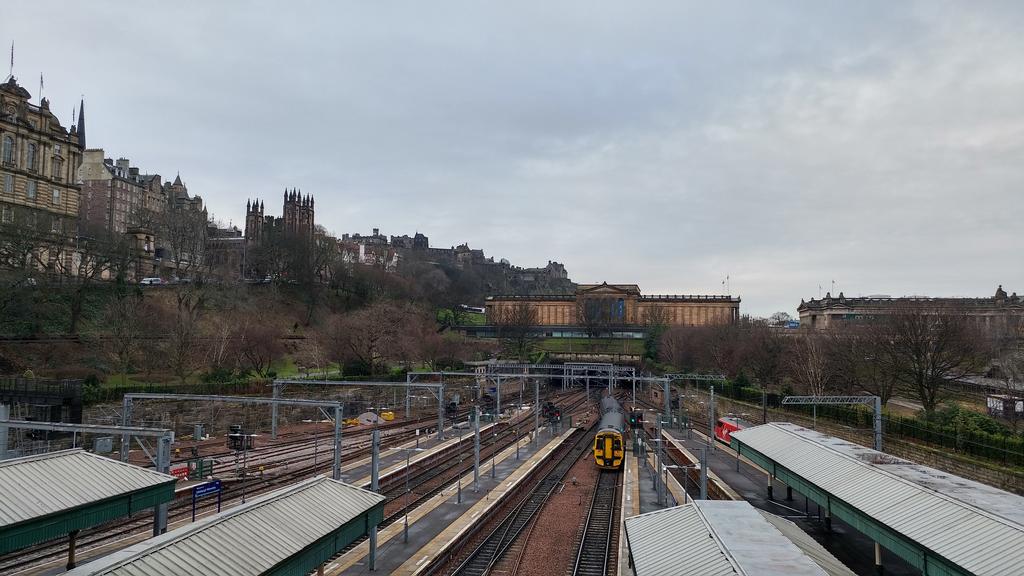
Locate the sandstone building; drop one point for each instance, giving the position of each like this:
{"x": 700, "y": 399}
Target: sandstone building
{"x": 997, "y": 314}
{"x": 38, "y": 160}
{"x": 619, "y": 305}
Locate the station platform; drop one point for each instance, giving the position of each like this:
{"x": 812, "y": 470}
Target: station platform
{"x": 392, "y": 460}
{"x": 441, "y": 512}
{"x": 718, "y": 489}
{"x": 630, "y": 506}
{"x": 454, "y": 531}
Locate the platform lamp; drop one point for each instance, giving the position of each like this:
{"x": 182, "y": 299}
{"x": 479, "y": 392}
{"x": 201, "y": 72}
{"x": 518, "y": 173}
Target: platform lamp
{"x": 405, "y": 529}
{"x": 686, "y": 477}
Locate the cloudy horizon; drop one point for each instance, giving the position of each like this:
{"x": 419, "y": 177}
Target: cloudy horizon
{"x": 786, "y": 146}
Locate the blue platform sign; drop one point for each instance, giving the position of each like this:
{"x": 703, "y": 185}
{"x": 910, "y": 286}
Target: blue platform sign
{"x": 206, "y": 489}
{"x": 203, "y": 490}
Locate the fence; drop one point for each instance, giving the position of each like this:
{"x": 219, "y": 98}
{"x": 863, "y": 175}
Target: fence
{"x": 1003, "y": 449}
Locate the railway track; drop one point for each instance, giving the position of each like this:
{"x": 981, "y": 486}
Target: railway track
{"x": 180, "y": 508}
{"x": 600, "y": 536}
{"x": 436, "y": 476}
{"x": 497, "y": 542}
{"x": 34, "y": 557}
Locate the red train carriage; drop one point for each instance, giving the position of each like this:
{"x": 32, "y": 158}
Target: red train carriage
{"x": 727, "y": 425}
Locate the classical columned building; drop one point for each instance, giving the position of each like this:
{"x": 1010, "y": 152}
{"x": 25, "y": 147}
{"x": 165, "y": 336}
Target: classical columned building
{"x": 619, "y": 305}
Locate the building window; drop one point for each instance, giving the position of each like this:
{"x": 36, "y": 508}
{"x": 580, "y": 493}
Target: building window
{"x": 6, "y": 214}
{"x": 55, "y": 225}
{"x": 30, "y": 189}
{"x": 56, "y": 196}
{"x": 56, "y": 148}
{"x": 9, "y": 183}
{"x": 8, "y": 150}
{"x": 32, "y": 161}
{"x": 58, "y": 164}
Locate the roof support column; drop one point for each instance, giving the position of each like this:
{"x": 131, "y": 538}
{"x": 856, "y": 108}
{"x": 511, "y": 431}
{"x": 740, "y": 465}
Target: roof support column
{"x": 72, "y": 542}
{"x": 878, "y": 558}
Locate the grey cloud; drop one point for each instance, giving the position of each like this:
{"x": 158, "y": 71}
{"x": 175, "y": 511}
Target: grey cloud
{"x": 669, "y": 144}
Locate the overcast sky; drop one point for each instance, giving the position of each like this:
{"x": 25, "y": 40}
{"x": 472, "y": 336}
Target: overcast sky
{"x": 668, "y": 144}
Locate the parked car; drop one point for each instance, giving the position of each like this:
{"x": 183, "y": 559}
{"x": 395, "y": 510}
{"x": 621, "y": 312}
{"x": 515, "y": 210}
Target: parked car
{"x": 151, "y": 281}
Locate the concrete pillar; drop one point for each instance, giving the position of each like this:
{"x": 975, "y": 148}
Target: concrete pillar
{"x": 878, "y": 558}
{"x": 789, "y": 493}
{"x": 828, "y": 515}
{"x": 771, "y": 487}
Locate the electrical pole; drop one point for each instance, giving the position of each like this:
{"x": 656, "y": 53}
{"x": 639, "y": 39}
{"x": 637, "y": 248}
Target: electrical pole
{"x": 476, "y": 449}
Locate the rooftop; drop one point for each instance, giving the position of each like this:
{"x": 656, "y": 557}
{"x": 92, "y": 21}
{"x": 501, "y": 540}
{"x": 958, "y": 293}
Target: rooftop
{"x": 967, "y": 525}
{"x": 298, "y": 527}
{"x": 36, "y": 490}
{"x": 716, "y": 538}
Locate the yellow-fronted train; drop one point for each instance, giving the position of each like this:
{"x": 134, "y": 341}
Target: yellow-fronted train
{"x": 610, "y": 439}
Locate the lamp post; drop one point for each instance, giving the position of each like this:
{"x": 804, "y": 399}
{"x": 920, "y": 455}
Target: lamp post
{"x": 686, "y": 477}
{"x": 405, "y": 529}
{"x": 458, "y": 477}
{"x": 494, "y": 452}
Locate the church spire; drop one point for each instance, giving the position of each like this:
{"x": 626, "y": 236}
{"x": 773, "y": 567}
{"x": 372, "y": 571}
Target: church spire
{"x": 81, "y": 124}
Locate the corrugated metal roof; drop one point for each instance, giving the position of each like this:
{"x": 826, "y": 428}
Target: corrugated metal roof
{"x": 35, "y": 486}
{"x": 978, "y": 527}
{"x": 247, "y": 540}
{"x": 713, "y": 538}
{"x": 822, "y": 557}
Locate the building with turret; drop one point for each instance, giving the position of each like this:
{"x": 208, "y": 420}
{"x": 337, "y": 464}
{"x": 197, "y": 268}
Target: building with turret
{"x": 297, "y": 219}
{"x": 38, "y": 162}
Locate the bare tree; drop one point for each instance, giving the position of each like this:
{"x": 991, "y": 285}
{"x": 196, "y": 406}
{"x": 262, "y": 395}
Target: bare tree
{"x": 259, "y": 345}
{"x": 931, "y": 348}
{"x": 655, "y": 322}
{"x": 864, "y": 360}
{"x": 517, "y": 329}
{"x": 123, "y": 320}
{"x": 184, "y": 232}
{"x": 182, "y": 345}
{"x": 765, "y": 352}
{"x": 809, "y": 364}
{"x": 367, "y": 336}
